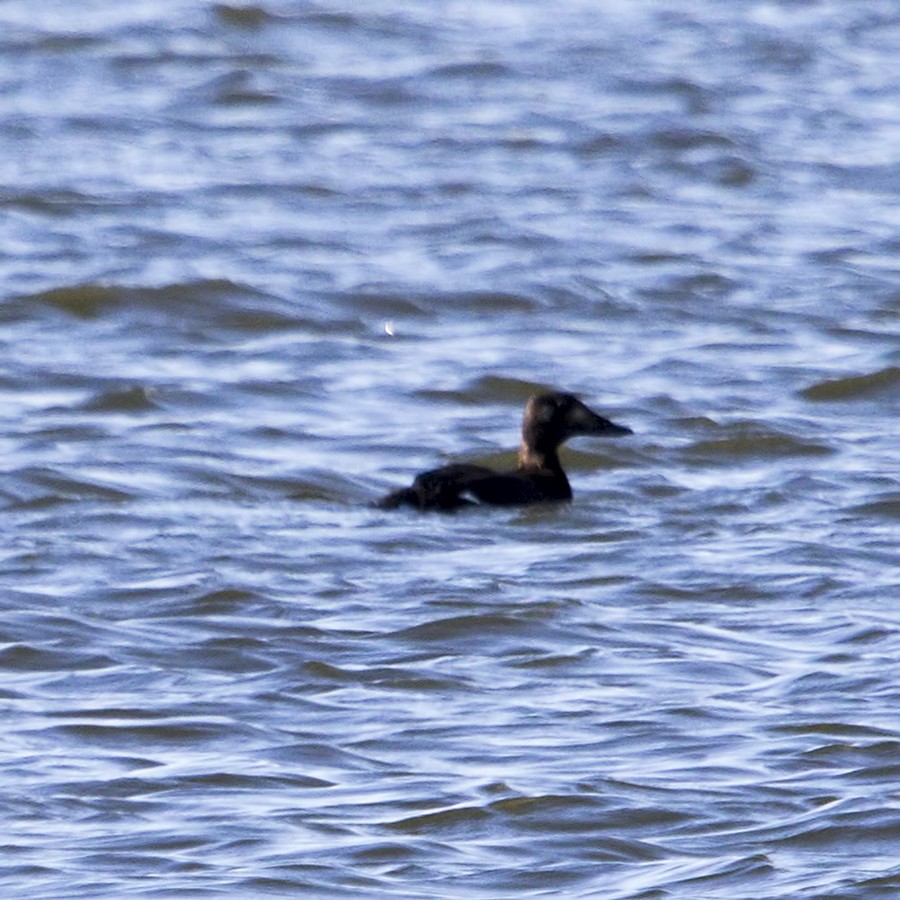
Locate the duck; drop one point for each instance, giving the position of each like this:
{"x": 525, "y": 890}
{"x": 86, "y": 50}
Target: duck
{"x": 550, "y": 419}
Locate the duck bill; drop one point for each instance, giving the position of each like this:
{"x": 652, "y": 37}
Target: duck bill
{"x": 612, "y": 428}
{"x": 591, "y": 423}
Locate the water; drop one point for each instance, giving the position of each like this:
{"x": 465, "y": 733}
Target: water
{"x": 261, "y": 263}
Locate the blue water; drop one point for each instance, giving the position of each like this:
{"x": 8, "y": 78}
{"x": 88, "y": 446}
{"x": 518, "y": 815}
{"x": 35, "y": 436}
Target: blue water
{"x": 261, "y": 263}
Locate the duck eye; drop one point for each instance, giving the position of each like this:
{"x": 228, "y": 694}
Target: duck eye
{"x": 546, "y": 411}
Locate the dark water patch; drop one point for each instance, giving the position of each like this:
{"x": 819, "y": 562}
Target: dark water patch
{"x": 326, "y": 487}
{"x": 456, "y": 821}
{"x": 386, "y": 93}
{"x": 558, "y": 814}
{"x": 873, "y": 886}
{"x": 223, "y": 600}
{"x": 159, "y": 736}
{"x": 720, "y": 875}
{"x": 240, "y": 88}
{"x": 882, "y": 384}
{"x": 690, "y": 138}
{"x": 82, "y": 301}
{"x": 493, "y": 302}
{"x": 754, "y": 440}
{"x": 324, "y": 757}
{"x": 233, "y": 781}
{"x": 235, "y": 656}
{"x": 33, "y": 872}
{"x": 121, "y": 790}
{"x": 488, "y": 627}
{"x": 831, "y": 729}
{"x": 386, "y": 305}
{"x": 868, "y": 634}
{"x": 391, "y": 678}
{"x": 127, "y": 399}
{"x": 499, "y": 389}
{"x": 120, "y": 860}
{"x": 862, "y": 758}
{"x": 711, "y": 285}
{"x": 66, "y": 432}
{"x": 43, "y": 41}
{"x": 888, "y": 508}
{"x": 662, "y": 258}
{"x": 846, "y": 832}
{"x": 543, "y": 660}
{"x": 48, "y": 486}
{"x": 46, "y": 202}
{"x": 477, "y": 70}
{"x": 214, "y": 303}
{"x": 339, "y": 20}
{"x": 105, "y": 713}
{"x": 25, "y": 658}
{"x": 250, "y": 16}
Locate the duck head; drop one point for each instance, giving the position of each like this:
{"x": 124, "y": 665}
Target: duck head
{"x": 553, "y": 418}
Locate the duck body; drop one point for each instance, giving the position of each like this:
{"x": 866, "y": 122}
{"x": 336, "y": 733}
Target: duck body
{"x": 461, "y": 485}
{"x": 550, "y": 419}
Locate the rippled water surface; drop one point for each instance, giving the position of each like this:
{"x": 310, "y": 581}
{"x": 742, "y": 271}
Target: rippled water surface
{"x": 261, "y": 263}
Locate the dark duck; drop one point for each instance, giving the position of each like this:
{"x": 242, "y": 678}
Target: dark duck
{"x": 550, "y": 420}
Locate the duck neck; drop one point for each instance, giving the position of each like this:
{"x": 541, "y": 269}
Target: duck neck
{"x": 534, "y": 458}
